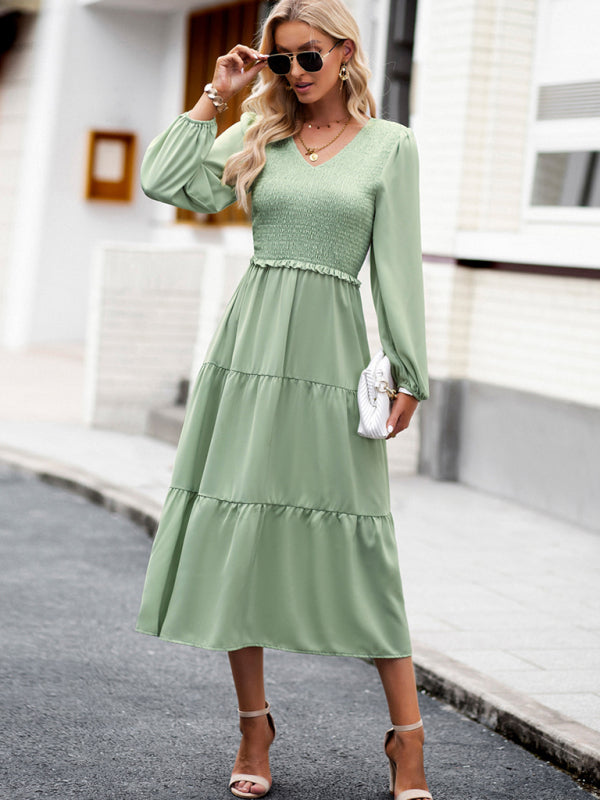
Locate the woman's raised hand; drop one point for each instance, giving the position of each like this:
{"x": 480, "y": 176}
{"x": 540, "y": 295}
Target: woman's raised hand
{"x": 232, "y": 72}
{"x": 237, "y": 69}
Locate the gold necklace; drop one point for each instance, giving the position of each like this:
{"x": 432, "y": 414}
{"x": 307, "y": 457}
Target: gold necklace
{"x": 313, "y": 152}
{"x": 322, "y": 125}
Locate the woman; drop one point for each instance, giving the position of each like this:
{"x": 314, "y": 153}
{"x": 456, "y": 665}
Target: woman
{"x": 276, "y": 530}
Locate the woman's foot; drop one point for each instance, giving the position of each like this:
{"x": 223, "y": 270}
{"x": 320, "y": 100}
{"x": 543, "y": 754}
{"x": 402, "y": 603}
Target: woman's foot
{"x": 405, "y": 748}
{"x": 253, "y": 755}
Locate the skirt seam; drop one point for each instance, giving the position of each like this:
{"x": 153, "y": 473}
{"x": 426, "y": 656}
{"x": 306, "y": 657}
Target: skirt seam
{"x": 280, "y": 377}
{"x": 279, "y": 505}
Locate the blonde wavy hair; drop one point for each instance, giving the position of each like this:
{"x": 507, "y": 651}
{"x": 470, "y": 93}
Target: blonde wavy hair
{"x": 278, "y": 112}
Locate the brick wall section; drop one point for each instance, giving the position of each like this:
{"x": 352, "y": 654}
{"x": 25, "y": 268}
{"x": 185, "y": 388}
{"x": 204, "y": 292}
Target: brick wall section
{"x": 535, "y": 333}
{"x": 473, "y": 103}
{"x": 442, "y": 94}
{"x": 143, "y": 320}
{"x": 16, "y": 71}
{"x": 497, "y": 115}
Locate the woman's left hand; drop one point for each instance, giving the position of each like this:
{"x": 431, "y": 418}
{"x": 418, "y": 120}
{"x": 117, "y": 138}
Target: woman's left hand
{"x": 403, "y": 407}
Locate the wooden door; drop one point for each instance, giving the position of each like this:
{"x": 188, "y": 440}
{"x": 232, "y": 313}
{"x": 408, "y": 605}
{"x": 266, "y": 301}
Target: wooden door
{"x": 211, "y": 34}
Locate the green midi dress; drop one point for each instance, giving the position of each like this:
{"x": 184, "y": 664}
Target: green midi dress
{"x": 276, "y": 530}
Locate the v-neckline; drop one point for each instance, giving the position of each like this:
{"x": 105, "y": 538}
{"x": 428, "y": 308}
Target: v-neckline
{"x": 339, "y": 153}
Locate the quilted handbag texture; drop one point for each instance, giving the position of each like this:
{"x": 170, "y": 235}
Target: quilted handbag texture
{"x": 376, "y": 390}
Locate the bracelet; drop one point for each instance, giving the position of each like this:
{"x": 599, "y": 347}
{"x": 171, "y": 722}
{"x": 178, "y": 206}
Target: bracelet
{"x": 217, "y": 100}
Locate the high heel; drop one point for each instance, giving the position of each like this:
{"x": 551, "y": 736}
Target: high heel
{"x": 407, "y": 794}
{"x": 239, "y": 776}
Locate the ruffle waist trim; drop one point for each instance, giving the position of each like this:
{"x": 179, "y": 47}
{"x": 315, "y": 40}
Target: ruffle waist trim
{"x": 292, "y": 263}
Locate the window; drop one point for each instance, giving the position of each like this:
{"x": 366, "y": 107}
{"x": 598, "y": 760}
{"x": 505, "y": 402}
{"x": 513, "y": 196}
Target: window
{"x": 567, "y": 179}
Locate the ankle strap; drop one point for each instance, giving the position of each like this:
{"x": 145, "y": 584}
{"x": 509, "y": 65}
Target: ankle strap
{"x": 408, "y": 727}
{"x": 263, "y": 711}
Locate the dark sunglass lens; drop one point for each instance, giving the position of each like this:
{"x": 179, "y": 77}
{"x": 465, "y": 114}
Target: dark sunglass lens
{"x": 311, "y": 62}
{"x": 279, "y": 64}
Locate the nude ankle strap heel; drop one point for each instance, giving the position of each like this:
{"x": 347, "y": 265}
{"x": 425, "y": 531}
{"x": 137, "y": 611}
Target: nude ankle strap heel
{"x": 261, "y": 713}
{"x": 258, "y": 779}
{"x": 407, "y": 794}
{"x": 411, "y": 727}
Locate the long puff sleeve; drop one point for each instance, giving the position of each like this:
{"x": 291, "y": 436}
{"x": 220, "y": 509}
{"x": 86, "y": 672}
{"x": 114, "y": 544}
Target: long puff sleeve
{"x": 183, "y": 165}
{"x": 396, "y": 269}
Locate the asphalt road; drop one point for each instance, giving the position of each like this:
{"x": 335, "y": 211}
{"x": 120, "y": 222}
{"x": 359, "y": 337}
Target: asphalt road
{"x": 93, "y": 710}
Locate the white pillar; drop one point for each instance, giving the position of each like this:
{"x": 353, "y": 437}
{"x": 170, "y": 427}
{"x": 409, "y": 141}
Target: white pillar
{"x": 34, "y": 190}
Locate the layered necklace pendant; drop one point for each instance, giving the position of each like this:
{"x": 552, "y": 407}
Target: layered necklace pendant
{"x": 311, "y": 152}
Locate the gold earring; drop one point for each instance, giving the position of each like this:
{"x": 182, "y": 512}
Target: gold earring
{"x": 343, "y": 73}
{"x": 288, "y": 88}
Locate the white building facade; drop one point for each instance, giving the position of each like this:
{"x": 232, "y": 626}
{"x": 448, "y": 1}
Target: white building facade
{"x": 504, "y": 98}
{"x": 507, "y": 116}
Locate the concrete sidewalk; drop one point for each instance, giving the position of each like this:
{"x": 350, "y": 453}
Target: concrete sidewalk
{"x": 503, "y": 602}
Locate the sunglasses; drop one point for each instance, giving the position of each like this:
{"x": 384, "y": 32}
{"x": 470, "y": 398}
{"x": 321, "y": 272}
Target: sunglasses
{"x": 310, "y": 61}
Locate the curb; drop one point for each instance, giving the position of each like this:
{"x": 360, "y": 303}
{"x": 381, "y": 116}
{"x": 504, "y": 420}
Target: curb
{"x": 134, "y": 506}
{"x": 549, "y": 734}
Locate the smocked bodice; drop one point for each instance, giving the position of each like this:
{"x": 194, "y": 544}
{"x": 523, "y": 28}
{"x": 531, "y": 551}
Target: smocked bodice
{"x": 324, "y": 216}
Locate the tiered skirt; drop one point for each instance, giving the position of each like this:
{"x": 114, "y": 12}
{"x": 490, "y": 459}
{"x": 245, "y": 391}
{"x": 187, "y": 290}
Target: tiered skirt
{"x": 276, "y": 530}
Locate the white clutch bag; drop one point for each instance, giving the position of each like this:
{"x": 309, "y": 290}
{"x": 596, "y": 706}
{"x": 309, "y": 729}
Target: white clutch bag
{"x": 376, "y": 390}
